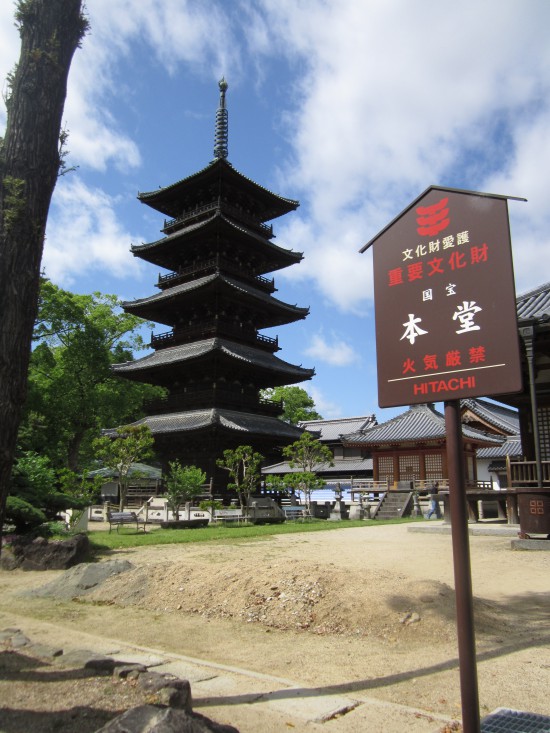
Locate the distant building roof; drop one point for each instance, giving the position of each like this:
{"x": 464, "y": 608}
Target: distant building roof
{"x": 534, "y": 304}
{"x": 503, "y": 418}
{"x": 137, "y": 470}
{"x": 342, "y": 467}
{"x": 420, "y": 423}
{"x": 511, "y": 447}
{"x": 332, "y": 430}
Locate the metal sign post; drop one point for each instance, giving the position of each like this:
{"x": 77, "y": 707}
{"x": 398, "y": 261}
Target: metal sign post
{"x": 462, "y": 570}
{"x": 446, "y": 330}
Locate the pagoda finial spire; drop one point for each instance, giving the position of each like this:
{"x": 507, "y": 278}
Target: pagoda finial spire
{"x": 221, "y": 136}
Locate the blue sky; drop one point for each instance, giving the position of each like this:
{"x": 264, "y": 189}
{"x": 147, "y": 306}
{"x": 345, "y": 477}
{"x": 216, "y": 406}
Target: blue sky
{"x": 353, "y": 107}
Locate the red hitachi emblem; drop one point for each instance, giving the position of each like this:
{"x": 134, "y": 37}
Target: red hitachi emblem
{"x": 432, "y": 219}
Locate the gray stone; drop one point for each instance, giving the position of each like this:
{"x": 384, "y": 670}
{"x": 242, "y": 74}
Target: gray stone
{"x": 129, "y": 671}
{"x": 81, "y": 579}
{"x": 152, "y": 719}
{"x": 39, "y": 554}
{"x": 45, "y": 651}
{"x": 19, "y": 640}
{"x": 81, "y": 658}
{"x": 177, "y": 697}
{"x": 100, "y": 664}
{"x": 531, "y": 544}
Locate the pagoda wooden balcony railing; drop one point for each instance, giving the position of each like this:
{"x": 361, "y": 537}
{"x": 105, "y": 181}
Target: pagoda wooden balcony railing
{"x": 215, "y": 264}
{"x": 524, "y": 473}
{"x": 199, "y": 212}
{"x": 211, "y": 329}
{"x": 230, "y": 398}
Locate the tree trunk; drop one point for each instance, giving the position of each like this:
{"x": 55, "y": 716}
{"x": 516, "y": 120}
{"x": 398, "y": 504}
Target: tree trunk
{"x": 50, "y": 32}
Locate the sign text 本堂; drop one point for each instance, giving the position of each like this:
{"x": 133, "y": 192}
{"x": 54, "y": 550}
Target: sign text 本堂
{"x": 445, "y": 301}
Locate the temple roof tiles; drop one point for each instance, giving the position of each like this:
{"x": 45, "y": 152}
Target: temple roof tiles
{"x": 510, "y": 447}
{"x": 216, "y": 219}
{"x": 158, "y": 301}
{"x": 420, "y": 423}
{"x": 167, "y": 199}
{"x": 197, "y": 349}
{"x": 501, "y": 417}
{"x": 331, "y": 430}
{"x": 534, "y": 304}
{"x": 231, "y": 420}
{"x": 341, "y": 467}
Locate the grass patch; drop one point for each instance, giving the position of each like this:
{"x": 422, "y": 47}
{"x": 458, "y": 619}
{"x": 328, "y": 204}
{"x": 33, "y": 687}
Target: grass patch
{"x": 103, "y": 541}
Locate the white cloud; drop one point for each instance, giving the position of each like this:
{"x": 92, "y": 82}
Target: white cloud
{"x": 84, "y": 236}
{"x": 393, "y": 97}
{"x": 324, "y": 406}
{"x": 336, "y": 352}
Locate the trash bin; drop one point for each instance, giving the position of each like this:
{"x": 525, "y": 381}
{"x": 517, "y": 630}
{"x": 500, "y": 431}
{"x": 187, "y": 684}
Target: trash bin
{"x": 534, "y": 510}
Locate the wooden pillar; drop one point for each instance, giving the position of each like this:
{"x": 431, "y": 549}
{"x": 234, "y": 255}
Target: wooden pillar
{"x": 396, "y": 471}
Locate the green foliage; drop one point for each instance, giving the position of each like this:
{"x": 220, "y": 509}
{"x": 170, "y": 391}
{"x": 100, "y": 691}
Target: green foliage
{"x": 243, "y": 465}
{"x": 211, "y": 505}
{"x": 73, "y": 393}
{"x": 297, "y": 403}
{"x": 132, "y": 444}
{"x": 14, "y": 203}
{"x": 103, "y": 542}
{"x": 37, "y": 494}
{"x": 26, "y": 16}
{"x": 182, "y": 484}
{"x": 304, "y": 483}
{"x": 23, "y": 515}
{"x": 307, "y": 454}
{"x": 275, "y": 483}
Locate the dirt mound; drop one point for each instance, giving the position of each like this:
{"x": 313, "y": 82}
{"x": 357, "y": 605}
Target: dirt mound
{"x": 297, "y": 596}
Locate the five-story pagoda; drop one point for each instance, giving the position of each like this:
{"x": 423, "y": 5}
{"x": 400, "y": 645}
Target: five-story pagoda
{"x": 215, "y": 299}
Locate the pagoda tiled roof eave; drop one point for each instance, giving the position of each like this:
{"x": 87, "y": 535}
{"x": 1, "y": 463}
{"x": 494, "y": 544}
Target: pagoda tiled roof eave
{"x": 160, "y": 198}
{"x": 420, "y": 423}
{"x": 193, "y": 285}
{"x": 230, "y": 420}
{"x": 186, "y": 352}
{"x": 138, "y": 250}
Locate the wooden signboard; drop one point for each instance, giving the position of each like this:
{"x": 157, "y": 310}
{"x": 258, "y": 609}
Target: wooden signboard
{"x": 445, "y": 301}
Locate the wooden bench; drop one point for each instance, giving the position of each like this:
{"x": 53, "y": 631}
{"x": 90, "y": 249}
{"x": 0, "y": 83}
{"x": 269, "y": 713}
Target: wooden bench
{"x": 295, "y": 512}
{"x": 229, "y": 516}
{"x": 117, "y": 519}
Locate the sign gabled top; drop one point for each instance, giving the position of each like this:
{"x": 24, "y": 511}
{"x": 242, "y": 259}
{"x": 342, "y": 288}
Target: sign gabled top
{"x": 366, "y": 246}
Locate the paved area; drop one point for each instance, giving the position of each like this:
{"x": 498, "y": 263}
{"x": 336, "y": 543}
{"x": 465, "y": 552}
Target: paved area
{"x": 242, "y": 697}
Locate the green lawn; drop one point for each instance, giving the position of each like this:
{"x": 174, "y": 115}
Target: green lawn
{"x": 103, "y": 541}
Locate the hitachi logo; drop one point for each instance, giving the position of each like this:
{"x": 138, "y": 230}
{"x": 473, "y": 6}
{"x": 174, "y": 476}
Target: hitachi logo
{"x": 445, "y": 385}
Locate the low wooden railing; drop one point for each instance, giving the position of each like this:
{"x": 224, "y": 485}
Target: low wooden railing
{"x": 210, "y": 329}
{"x": 206, "y": 267}
{"x": 524, "y": 473}
{"x": 218, "y": 205}
{"x": 231, "y": 399}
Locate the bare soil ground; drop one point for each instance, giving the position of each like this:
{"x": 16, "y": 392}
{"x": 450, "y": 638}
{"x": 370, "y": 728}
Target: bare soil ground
{"x": 362, "y": 612}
